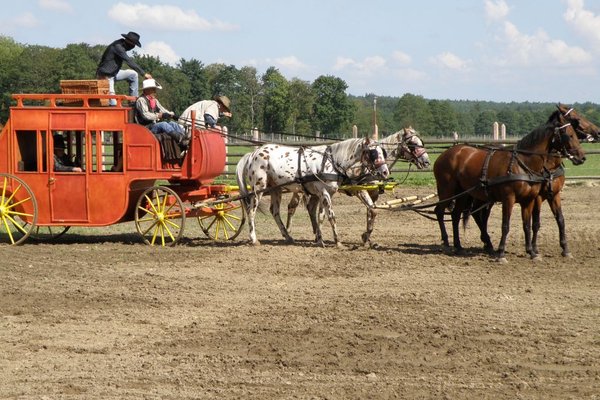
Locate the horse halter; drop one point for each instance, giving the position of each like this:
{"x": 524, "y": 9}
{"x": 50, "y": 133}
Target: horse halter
{"x": 409, "y": 150}
{"x": 560, "y": 139}
{"x": 373, "y": 158}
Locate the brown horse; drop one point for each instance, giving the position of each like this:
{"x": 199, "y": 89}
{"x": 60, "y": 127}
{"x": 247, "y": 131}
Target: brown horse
{"x": 551, "y": 188}
{"x": 470, "y": 176}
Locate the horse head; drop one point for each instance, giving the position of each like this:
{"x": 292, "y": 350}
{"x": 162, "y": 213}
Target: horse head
{"x": 410, "y": 148}
{"x": 565, "y": 139}
{"x": 585, "y": 129}
{"x": 373, "y": 158}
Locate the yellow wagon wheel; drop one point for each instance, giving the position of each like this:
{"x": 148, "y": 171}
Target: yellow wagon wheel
{"x": 18, "y": 210}
{"x": 224, "y": 222}
{"x": 160, "y": 216}
{"x": 41, "y": 233}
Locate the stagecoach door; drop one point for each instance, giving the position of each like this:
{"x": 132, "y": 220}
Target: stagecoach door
{"x": 68, "y": 188}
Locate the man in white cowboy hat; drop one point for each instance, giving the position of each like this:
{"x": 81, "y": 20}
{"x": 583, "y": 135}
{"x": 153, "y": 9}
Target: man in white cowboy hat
{"x": 112, "y": 61}
{"x": 207, "y": 112}
{"x": 150, "y": 113}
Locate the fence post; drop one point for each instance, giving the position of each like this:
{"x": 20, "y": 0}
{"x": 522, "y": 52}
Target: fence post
{"x": 354, "y": 131}
{"x": 495, "y": 130}
{"x": 503, "y": 132}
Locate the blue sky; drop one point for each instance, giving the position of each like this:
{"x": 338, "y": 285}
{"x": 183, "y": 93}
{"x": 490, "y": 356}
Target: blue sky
{"x": 497, "y": 50}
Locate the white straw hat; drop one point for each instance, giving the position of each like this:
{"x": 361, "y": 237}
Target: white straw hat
{"x": 150, "y": 83}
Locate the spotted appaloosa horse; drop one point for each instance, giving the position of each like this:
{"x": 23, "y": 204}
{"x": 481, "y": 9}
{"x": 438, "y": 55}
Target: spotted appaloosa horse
{"x": 403, "y": 145}
{"x": 317, "y": 171}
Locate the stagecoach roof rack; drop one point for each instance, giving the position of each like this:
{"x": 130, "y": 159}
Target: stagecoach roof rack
{"x": 57, "y": 100}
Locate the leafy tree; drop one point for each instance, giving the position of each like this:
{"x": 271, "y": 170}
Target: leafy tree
{"x": 276, "y": 102}
{"x": 484, "y": 122}
{"x": 198, "y": 79}
{"x": 332, "y": 111}
{"x": 249, "y": 100}
{"x": 444, "y": 117}
{"x": 301, "y": 100}
{"x": 412, "y": 110}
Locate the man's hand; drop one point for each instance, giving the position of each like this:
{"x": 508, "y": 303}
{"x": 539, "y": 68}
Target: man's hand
{"x": 147, "y": 76}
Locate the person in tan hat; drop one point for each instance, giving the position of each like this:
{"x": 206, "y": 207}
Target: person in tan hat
{"x": 208, "y": 112}
{"x": 62, "y": 163}
{"x": 112, "y": 61}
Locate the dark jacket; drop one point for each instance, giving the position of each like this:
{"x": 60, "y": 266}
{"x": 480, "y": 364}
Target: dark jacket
{"x": 112, "y": 60}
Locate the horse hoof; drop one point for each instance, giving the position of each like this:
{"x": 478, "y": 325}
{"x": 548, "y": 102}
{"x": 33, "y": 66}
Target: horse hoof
{"x": 536, "y": 257}
{"x": 289, "y": 240}
{"x": 339, "y": 245}
{"x": 255, "y": 243}
{"x": 460, "y": 252}
{"x": 501, "y": 260}
{"x": 567, "y": 255}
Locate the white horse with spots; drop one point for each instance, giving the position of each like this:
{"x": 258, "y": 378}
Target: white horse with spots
{"x": 317, "y": 171}
{"x": 403, "y": 145}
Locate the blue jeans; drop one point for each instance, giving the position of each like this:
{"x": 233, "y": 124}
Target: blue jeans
{"x": 128, "y": 75}
{"x": 171, "y": 128}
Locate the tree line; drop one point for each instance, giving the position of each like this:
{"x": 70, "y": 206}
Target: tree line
{"x": 269, "y": 101}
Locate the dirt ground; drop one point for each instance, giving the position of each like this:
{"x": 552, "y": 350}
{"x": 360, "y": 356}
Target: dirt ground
{"x": 99, "y": 315}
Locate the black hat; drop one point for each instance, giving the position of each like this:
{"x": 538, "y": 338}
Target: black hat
{"x": 59, "y": 142}
{"x": 133, "y": 38}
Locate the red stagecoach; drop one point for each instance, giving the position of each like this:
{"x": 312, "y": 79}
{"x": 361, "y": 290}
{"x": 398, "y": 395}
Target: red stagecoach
{"x": 127, "y": 175}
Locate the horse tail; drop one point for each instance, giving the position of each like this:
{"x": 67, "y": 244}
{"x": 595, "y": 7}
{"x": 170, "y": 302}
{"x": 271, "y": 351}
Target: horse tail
{"x": 240, "y": 177}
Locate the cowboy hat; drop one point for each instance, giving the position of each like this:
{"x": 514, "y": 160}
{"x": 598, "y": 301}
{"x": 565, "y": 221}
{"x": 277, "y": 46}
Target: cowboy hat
{"x": 59, "y": 142}
{"x": 133, "y": 38}
{"x": 150, "y": 84}
{"x": 225, "y": 102}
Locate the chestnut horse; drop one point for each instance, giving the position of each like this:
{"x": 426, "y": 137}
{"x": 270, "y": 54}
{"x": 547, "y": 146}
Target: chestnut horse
{"x": 551, "y": 188}
{"x": 472, "y": 176}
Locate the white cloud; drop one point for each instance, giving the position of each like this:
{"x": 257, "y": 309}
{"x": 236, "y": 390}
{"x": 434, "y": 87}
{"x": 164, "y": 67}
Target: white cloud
{"x": 290, "y": 63}
{"x": 401, "y": 58}
{"x": 539, "y": 49}
{"x": 368, "y": 66}
{"x": 451, "y": 61}
{"x": 496, "y": 10}
{"x": 168, "y": 18}
{"x": 27, "y": 20}
{"x": 583, "y": 21}
{"x": 56, "y": 5}
{"x": 162, "y": 51}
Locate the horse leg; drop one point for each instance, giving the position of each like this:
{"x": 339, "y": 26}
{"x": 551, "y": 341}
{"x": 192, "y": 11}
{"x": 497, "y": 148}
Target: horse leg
{"x": 275, "y": 212}
{"x": 481, "y": 218}
{"x": 456, "y": 216}
{"x": 254, "y": 202}
{"x": 292, "y": 205}
{"x": 312, "y": 207}
{"x": 555, "y": 206}
{"x": 364, "y": 196}
{"x": 326, "y": 204}
{"x": 526, "y": 216}
{"x": 507, "y": 207}
{"x": 536, "y": 222}
{"x": 440, "y": 212}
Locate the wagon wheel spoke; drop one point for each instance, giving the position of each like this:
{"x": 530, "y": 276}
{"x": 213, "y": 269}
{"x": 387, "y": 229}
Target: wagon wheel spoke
{"x": 18, "y": 210}
{"x": 224, "y": 221}
{"x": 41, "y": 233}
{"x": 160, "y": 216}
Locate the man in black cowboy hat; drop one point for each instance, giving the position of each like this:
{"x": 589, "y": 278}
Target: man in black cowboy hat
{"x": 112, "y": 61}
{"x": 62, "y": 163}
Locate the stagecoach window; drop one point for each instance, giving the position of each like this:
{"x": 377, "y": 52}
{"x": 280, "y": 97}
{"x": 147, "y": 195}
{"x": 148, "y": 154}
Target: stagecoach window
{"x": 74, "y": 142}
{"x": 107, "y": 151}
{"x": 27, "y": 151}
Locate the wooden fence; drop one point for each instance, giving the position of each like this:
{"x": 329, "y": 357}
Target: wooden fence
{"x": 235, "y": 150}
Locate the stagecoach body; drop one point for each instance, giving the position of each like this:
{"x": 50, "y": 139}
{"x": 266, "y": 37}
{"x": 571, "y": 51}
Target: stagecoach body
{"x": 121, "y": 160}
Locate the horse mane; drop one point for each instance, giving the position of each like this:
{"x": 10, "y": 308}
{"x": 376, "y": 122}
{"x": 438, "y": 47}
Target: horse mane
{"x": 539, "y": 133}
